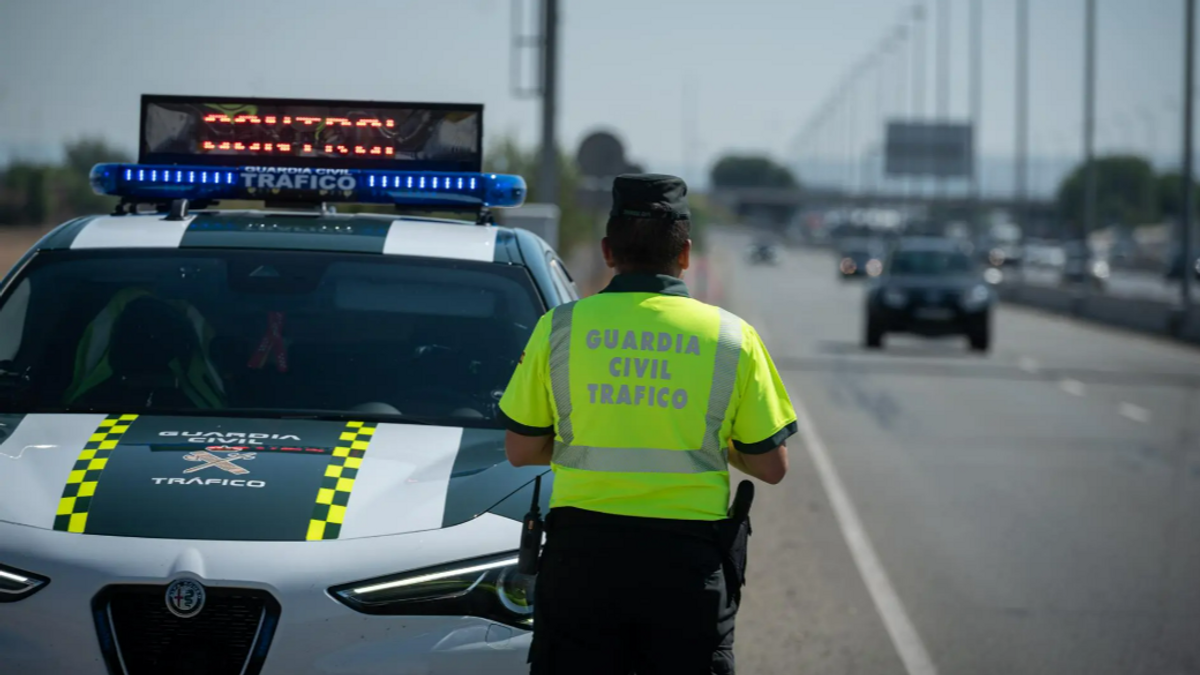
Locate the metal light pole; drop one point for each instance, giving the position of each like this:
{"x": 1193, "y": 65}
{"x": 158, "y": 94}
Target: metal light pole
{"x": 976, "y": 98}
{"x": 943, "y": 75}
{"x": 901, "y": 72}
{"x": 1021, "y": 169}
{"x": 919, "y": 56}
{"x": 1089, "y": 121}
{"x": 943, "y": 60}
{"x": 901, "y": 107}
{"x": 547, "y": 185}
{"x": 881, "y": 62}
{"x": 848, "y": 122}
{"x": 852, "y": 113}
{"x": 1189, "y": 193}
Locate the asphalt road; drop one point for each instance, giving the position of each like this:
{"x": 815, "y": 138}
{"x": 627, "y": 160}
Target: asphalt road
{"x": 1036, "y": 510}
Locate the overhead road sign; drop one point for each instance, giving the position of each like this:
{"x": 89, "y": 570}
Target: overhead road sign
{"x": 929, "y": 149}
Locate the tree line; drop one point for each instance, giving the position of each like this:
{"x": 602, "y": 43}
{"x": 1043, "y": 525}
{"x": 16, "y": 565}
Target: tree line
{"x": 38, "y": 193}
{"x": 1128, "y": 193}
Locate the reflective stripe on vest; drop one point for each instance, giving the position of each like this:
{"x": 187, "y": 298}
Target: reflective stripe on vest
{"x": 711, "y": 456}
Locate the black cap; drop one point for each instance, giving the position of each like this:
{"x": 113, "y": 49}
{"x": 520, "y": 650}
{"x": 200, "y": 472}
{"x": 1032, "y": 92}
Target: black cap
{"x": 649, "y": 195}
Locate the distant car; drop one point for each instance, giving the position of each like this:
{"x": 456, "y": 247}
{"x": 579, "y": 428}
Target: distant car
{"x": 860, "y": 258}
{"x": 1002, "y": 255}
{"x": 1081, "y": 266}
{"x": 1174, "y": 271}
{"x": 931, "y": 287}
{"x": 762, "y": 253}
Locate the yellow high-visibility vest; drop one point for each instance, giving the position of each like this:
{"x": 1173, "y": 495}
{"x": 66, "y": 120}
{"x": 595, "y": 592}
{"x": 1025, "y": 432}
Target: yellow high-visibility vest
{"x": 644, "y": 389}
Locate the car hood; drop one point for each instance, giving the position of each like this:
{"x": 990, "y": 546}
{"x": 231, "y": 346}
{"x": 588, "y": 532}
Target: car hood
{"x": 247, "y": 479}
{"x": 955, "y": 282}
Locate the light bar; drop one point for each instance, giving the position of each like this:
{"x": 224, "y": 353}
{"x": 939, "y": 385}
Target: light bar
{"x": 443, "y": 189}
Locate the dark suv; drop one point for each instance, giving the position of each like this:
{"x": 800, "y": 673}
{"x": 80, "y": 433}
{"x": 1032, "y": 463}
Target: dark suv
{"x": 931, "y": 287}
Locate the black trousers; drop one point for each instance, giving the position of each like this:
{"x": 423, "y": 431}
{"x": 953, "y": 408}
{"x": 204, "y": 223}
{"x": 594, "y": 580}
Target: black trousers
{"x": 618, "y": 595}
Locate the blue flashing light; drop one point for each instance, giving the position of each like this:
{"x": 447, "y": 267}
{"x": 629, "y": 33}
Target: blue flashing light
{"x": 370, "y": 186}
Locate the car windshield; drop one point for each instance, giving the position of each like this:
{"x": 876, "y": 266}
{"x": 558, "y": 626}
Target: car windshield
{"x": 267, "y": 333}
{"x": 929, "y": 263}
{"x": 859, "y": 248}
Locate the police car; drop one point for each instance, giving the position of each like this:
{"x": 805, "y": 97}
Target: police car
{"x": 267, "y": 441}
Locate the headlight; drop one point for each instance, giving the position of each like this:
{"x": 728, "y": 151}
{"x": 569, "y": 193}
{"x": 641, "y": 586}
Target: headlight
{"x": 874, "y": 267}
{"x": 17, "y": 585}
{"x": 489, "y": 588}
{"x": 894, "y": 297}
{"x": 976, "y": 298}
{"x": 847, "y": 266}
{"x": 1100, "y": 269}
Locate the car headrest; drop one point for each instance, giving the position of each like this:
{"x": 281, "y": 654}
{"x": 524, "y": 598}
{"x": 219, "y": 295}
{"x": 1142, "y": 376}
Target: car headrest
{"x": 148, "y": 336}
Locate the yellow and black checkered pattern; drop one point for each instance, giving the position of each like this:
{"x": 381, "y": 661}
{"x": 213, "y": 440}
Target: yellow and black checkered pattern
{"x": 76, "y": 499}
{"x": 334, "y": 495}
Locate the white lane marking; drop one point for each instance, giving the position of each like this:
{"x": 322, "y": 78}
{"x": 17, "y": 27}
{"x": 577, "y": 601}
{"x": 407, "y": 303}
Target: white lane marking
{"x": 899, "y": 626}
{"x": 1072, "y": 387}
{"x": 1134, "y": 412}
{"x": 1028, "y": 365}
{"x": 895, "y": 618}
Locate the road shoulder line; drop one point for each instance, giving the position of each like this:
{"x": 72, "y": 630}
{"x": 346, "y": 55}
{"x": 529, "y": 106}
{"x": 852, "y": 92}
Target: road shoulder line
{"x": 899, "y": 626}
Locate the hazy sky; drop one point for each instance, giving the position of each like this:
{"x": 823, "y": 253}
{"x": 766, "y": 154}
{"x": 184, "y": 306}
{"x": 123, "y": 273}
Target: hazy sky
{"x": 757, "y": 68}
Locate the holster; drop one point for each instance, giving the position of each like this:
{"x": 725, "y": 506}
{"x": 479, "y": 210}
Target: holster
{"x": 733, "y": 533}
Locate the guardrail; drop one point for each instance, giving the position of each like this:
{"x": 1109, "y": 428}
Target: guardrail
{"x": 1146, "y": 316}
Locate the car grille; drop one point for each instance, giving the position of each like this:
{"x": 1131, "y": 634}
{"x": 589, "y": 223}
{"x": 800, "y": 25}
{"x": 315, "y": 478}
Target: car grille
{"x": 935, "y": 298}
{"x": 230, "y": 636}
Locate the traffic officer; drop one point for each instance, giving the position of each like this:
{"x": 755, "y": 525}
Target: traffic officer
{"x": 640, "y": 398}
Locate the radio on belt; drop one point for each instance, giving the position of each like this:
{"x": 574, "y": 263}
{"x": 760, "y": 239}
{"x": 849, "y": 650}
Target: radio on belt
{"x": 205, "y": 149}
